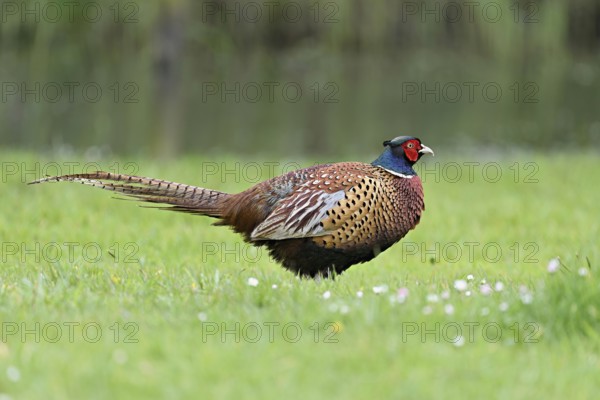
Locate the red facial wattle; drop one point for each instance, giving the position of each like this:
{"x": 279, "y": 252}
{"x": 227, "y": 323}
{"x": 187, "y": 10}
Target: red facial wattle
{"x": 411, "y": 150}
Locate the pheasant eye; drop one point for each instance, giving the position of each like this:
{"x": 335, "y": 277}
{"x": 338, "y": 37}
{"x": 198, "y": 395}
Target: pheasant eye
{"x": 410, "y": 145}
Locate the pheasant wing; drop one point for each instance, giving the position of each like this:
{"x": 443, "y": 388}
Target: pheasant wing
{"x": 298, "y": 216}
{"x": 305, "y": 211}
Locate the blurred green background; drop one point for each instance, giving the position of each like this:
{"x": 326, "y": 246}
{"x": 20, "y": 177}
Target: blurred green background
{"x": 304, "y": 77}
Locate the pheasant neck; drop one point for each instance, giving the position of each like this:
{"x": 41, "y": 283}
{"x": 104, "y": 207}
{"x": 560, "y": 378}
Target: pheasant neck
{"x": 396, "y": 165}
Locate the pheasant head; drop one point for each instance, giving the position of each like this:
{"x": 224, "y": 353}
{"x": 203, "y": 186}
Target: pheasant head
{"x": 401, "y": 154}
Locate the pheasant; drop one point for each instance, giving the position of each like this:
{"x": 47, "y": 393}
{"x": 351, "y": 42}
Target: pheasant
{"x": 316, "y": 221}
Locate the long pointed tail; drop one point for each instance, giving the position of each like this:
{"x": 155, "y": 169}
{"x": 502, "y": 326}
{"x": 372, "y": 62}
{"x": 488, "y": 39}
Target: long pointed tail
{"x": 179, "y": 197}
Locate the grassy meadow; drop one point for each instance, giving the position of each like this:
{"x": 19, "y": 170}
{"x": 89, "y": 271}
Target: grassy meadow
{"x": 495, "y": 294}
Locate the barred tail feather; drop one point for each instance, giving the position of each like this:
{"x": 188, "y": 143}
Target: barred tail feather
{"x": 179, "y": 197}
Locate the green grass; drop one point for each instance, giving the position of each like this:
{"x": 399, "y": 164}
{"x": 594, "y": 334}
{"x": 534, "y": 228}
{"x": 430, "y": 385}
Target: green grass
{"x": 186, "y": 278}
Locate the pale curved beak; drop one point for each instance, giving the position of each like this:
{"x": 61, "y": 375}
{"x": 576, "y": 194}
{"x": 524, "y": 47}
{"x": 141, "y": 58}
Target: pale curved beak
{"x": 426, "y": 150}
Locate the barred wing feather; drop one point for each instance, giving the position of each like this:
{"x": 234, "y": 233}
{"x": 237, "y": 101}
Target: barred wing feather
{"x": 298, "y": 216}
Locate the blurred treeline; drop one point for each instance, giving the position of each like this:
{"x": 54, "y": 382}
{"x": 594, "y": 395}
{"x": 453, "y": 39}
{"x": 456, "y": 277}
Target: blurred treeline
{"x": 196, "y": 76}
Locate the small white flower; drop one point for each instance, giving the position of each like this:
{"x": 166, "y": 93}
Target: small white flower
{"x": 13, "y": 373}
{"x": 468, "y": 293}
{"x": 202, "y": 316}
{"x": 273, "y": 286}
{"x": 583, "y": 271}
{"x": 327, "y": 295}
{"x": 523, "y": 289}
{"x": 499, "y": 286}
{"x": 120, "y": 356}
{"x": 344, "y": 309}
{"x": 397, "y": 299}
{"x": 433, "y": 298}
{"x": 553, "y": 265}
{"x": 359, "y": 294}
{"x": 449, "y": 309}
{"x": 252, "y": 281}
{"x": 526, "y": 298}
{"x": 380, "y": 289}
{"x": 485, "y": 289}
{"x": 402, "y": 295}
{"x": 503, "y": 306}
{"x": 460, "y": 285}
{"x": 470, "y": 277}
{"x": 459, "y": 341}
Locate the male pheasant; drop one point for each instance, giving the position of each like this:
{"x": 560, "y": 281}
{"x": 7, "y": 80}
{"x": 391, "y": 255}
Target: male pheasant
{"x": 316, "y": 220}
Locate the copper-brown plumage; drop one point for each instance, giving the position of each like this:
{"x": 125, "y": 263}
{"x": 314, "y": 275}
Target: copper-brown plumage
{"x": 316, "y": 220}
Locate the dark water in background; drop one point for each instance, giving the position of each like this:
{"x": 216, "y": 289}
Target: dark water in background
{"x": 164, "y": 78}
